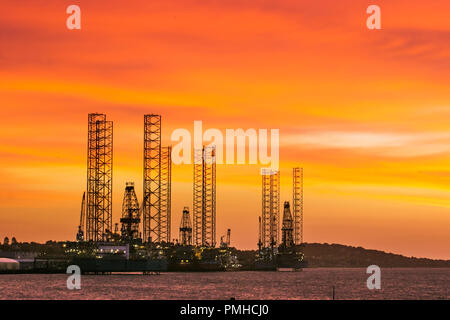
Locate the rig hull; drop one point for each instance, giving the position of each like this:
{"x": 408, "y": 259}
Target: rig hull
{"x": 280, "y": 259}
{"x": 91, "y": 265}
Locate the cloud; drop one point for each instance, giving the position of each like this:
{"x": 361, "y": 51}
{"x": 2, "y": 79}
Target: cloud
{"x": 386, "y": 144}
{"x": 429, "y": 47}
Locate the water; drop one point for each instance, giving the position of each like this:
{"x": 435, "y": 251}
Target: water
{"x": 314, "y": 283}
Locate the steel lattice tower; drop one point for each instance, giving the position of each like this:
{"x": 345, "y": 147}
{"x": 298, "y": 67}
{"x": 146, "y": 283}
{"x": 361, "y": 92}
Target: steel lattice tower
{"x": 265, "y": 215}
{"x": 287, "y": 230}
{"x": 166, "y": 194}
{"x": 152, "y": 178}
{"x": 209, "y": 197}
{"x": 130, "y": 213}
{"x": 270, "y": 207}
{"x": 185, "y": 228}
{"x": 297, "y": 204}
{"x": 204, "y": 197}
{"x": 99, "y": 178}
{"x": 198, "y": 196}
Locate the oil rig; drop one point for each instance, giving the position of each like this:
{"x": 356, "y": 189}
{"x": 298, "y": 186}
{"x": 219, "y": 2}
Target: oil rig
{"x": 141, "y": 240}
{"x": 100, "y": 248}
{"x": 131, "y": 214}
{"x": 287, "y": 254}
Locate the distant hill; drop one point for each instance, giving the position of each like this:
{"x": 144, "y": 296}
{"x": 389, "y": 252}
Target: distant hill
{"x": 337, "y": 255}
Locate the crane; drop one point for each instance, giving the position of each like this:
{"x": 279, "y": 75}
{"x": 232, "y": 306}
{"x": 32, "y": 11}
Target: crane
{"x": 226, "y": 243}
{"x": 259, "y": 235}
{"x": 80, "y": 233}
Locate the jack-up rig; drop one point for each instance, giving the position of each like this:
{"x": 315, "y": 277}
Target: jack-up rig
{"x": 286, "y": 255}
{"x": 99, "y": 248}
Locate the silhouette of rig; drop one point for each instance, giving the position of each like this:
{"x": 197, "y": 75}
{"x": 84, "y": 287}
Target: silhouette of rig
{"x": 196, "y": 247}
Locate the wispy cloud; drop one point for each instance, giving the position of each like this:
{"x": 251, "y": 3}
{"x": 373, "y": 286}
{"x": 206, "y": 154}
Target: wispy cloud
{"x": 387, "y": 144}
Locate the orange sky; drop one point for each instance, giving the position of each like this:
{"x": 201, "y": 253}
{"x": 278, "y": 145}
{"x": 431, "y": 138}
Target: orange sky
{"x": 364, "y": 112}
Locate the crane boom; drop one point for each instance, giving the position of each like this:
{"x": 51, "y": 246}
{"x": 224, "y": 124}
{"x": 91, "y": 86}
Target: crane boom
{"x": 83, "y": 210}
{"x": 80, "y": 234}
{"x": 141, "y": 209}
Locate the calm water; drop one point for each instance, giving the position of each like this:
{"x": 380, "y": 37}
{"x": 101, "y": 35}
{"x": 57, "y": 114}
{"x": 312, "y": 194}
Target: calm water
{"x": 309, "y": 284}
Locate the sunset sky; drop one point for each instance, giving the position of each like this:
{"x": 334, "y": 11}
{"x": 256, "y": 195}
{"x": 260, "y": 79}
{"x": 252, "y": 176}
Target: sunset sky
{"x": 366, "y": 113}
